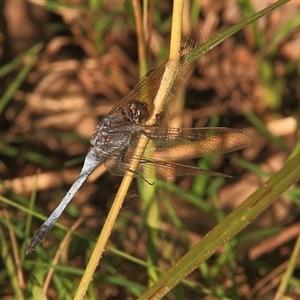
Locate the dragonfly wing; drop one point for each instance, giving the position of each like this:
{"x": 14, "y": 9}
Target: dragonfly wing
{"x": 156, "y": 168}
{"x": 176, "y": 144}
{"x": 146, "y": 89}
{"x": 115, "y": 166}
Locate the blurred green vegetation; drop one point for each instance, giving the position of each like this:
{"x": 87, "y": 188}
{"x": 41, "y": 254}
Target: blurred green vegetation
{"x": 187, "y": 208}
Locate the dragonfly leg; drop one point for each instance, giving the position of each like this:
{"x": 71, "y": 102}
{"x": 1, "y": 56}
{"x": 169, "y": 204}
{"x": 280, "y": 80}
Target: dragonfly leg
{"x": 159, "y": 117}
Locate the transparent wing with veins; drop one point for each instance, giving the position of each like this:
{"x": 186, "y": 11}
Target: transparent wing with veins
{"x": 168, "y": 144}
{"x": 146, "y": 89}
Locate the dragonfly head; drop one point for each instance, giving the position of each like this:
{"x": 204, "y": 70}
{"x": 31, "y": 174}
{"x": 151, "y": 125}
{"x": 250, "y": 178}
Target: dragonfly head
{"x": 136, "y": 111}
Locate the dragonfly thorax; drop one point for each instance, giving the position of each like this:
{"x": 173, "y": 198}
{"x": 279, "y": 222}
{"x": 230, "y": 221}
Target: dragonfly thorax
{"x": 112, "y": 133}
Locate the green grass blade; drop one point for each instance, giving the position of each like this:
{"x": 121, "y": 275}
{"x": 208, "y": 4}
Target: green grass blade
{"x": 8, "y": 260}
{"x": 289, "y": 271}
{"x": 7, "y": 68}
{"x": 232, "y": 224}
{"x": 219, "y": 38}
{"x": 19, "y": 78}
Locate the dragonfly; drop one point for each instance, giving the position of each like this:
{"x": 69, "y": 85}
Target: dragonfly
{"x": 115, "y": 140}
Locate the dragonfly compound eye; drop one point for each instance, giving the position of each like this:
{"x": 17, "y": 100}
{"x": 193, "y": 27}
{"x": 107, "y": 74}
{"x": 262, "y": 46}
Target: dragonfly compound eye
{"x": 137, "y": 111}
